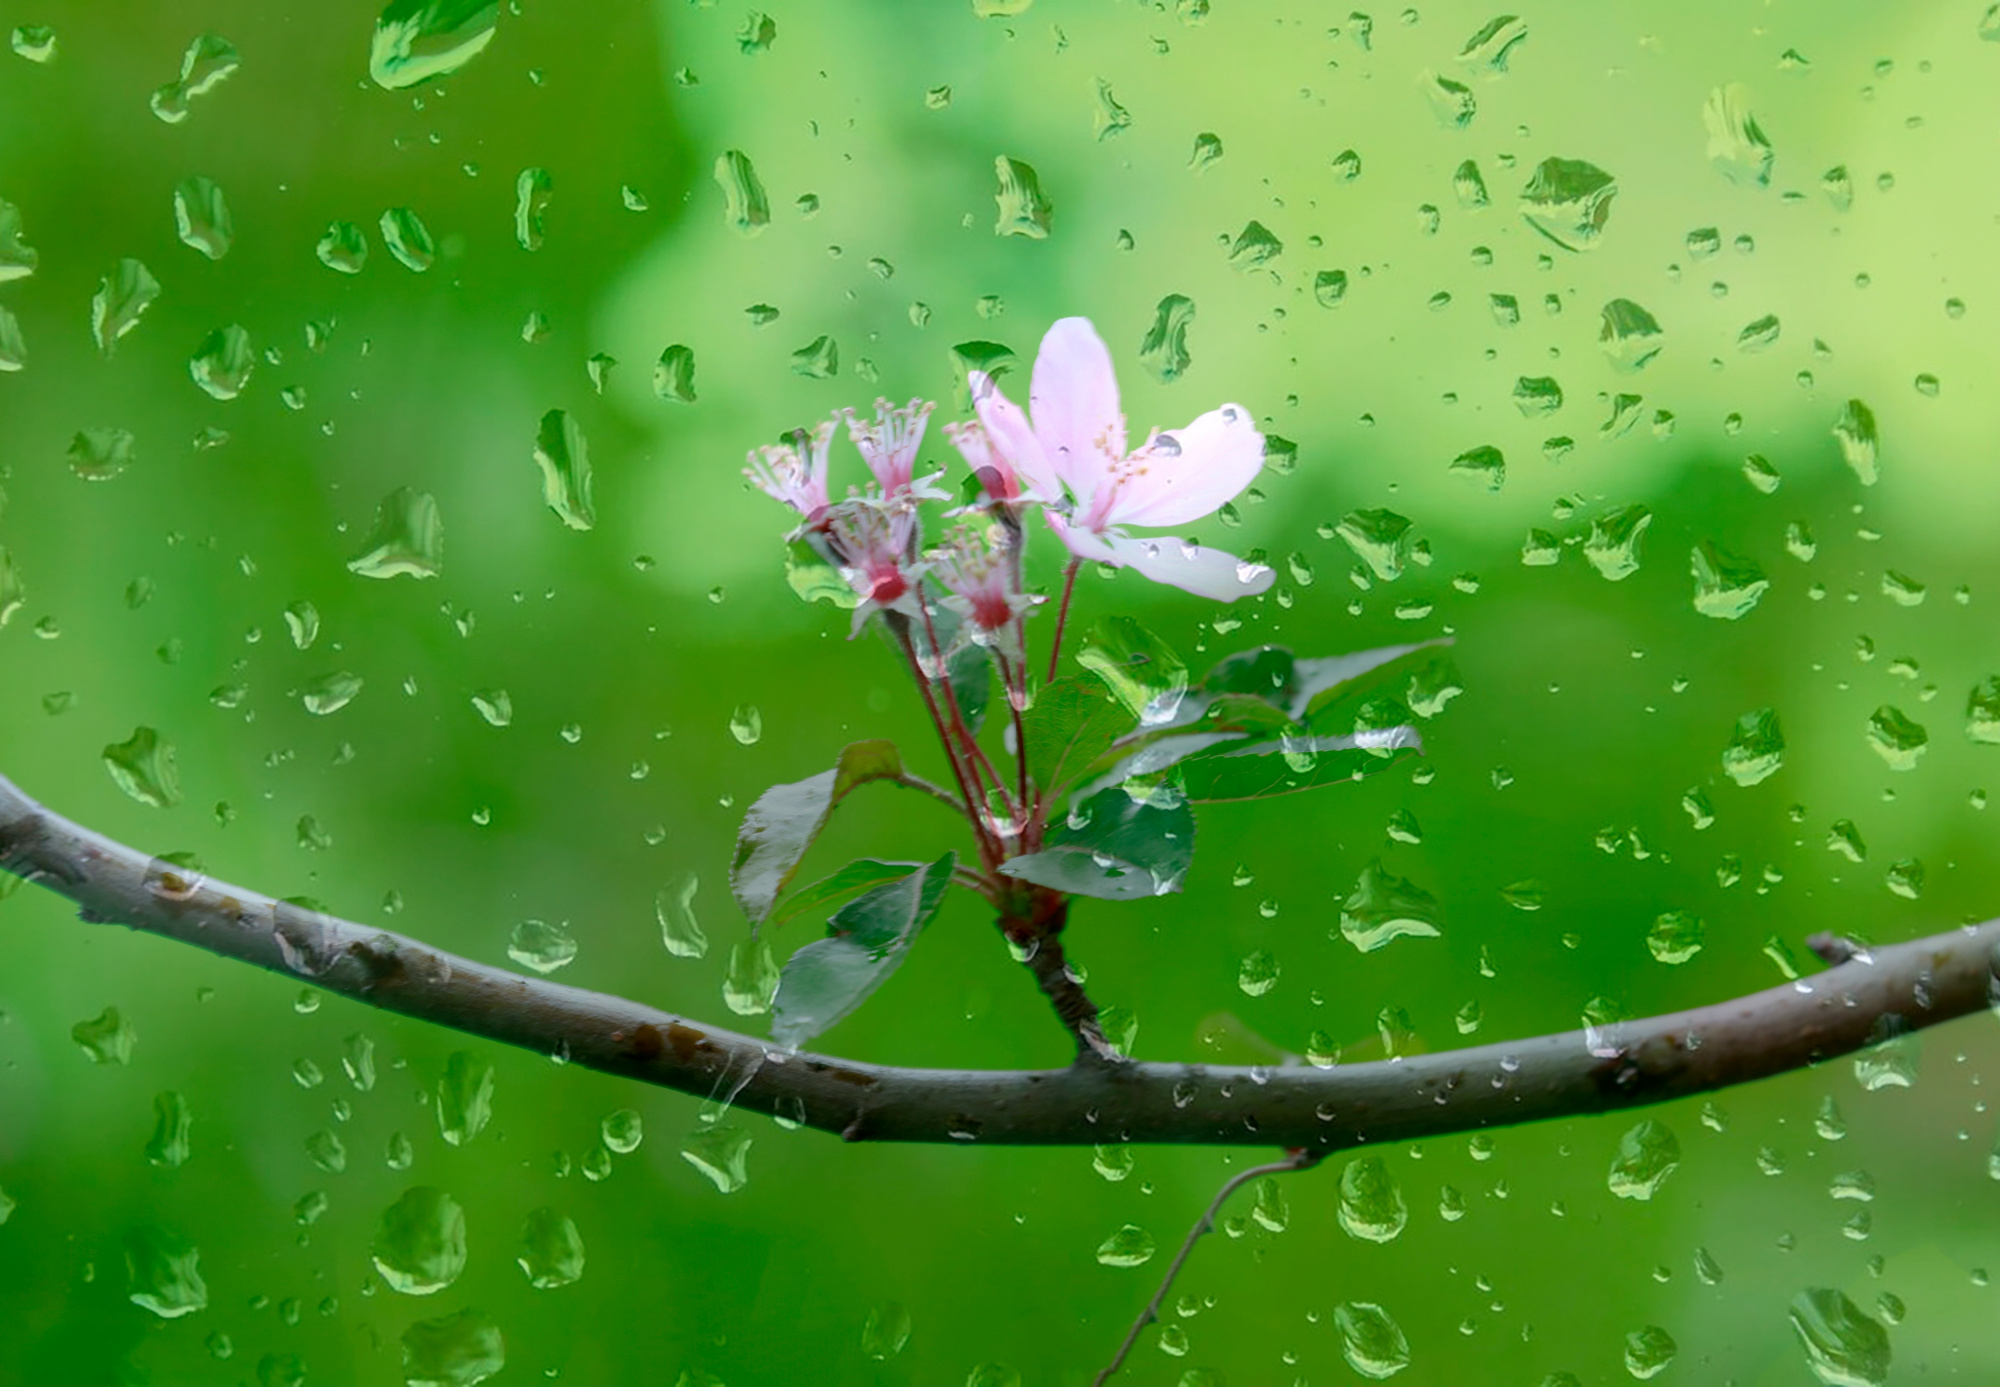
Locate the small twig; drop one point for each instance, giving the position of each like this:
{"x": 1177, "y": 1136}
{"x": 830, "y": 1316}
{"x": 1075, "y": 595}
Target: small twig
{"x": 936, "y": 791}
{"x": 989, "y": 851}
{"x": 1296, "y": 1159}
{"x": 1062, "y": 616}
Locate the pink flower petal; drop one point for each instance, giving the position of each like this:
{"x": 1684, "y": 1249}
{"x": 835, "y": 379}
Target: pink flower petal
{"x": 1073, "y": 397}
{"x": 1190, "y": 567}
{"x": 1192, "y": 472}
{"x": 1082, "y": 542}
{"x": 1008, "y": 433}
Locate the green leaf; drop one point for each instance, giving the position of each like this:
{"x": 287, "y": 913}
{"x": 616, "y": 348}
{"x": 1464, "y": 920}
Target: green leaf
{"x": 828, "y": 893}
{"x": 866, "y": 941}
{"x": 1141, "y": 670}
{"x": 1071, "y": 724}
{"x": 1115, "y": 847}
{"x": 1267, "y": 672}
{"x": 1292, "y": 764}
{"x": 1320, "y": 682}
{"x": 783, "y": 822}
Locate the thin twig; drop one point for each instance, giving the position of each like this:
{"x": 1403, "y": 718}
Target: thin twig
{"x": 959, "y": 725}
{"x": 1062, "y": 615}
{"x": 1294, "y": 1160}
{"x": 936, "y": 791}
{"x": 989, "y": 851}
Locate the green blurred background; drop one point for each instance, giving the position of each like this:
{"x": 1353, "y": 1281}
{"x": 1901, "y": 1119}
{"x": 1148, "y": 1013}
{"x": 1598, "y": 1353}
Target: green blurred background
{"x": 1591, "y": 708}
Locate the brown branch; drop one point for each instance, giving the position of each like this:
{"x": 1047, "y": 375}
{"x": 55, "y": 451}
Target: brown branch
{"x": 1653, "y": 1060}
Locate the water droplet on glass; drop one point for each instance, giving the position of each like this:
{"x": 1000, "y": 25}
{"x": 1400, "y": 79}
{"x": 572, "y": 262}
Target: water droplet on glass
{"x": 143, "y": 767}
{"x": 1859, "y": 441}
{"x": 1164, "y": 351}
{"x": 673, "y": 375}
{"x": 1629, "y": 335}
{"x": 679, "y": 930}
{"x": 1891, "y": 1059}
{"x": 1371, "y": 1202}
{"x": 420, "y": 1242}
{"x": 163, "y": 1272}
{"x": 169, "y": 1145}
{"x": 746, "y": 724}
{"x": 1451, "y": 102}
{"x": 327, "y": 1151}
{"x": 1207, "y": 149}
{"x": 344, "y": 247}
{"x": 208, "y": 60}
{"x": 818, "y": 359}
{"x": 1109, "y": 119}
{"x": 464, "y": 1097}
{"x": 407, "y": 540}
{"x": 886, "y": 1330}
{"x": 35, "y": 42}
{"x": 551, "y": 1250}
{"x": 408, "y": 239}
{"x": 1737, "y": 145}
{"x": 722, "y": 1153}
{"x": 1254, "y": 246}
{"x": 542, "y": 946}
{"x": 1484, "y": 464}
{"x": 1568, "y": 201}
{"x": 532, "y": 191}
{"x": 1843, "y": 1346}
{"x": 1258, "y": 973}
{"x": 98, "y": 455}
{"x": 107, "y": 1038}
{"x": 1373, "y": 1343}
{"x": 357, "y": 1061}
{"x": 201, "y": 216}
{"x": 1494, "y": 43}
{"x": 495, "y": 705}
{"x": 1114, "y": 1163}
{"x": 330, "y": 692}
{"x": 1676, "y": 936}
{"x": 122, "y": 298}
{"x": 1383, "y": 906}
{"x": 1726, "y": 586}
{"x": 1023, "y": 210}
{"x": 623, "y": 1131}
{"x": 1756, "y": 749}
{"x": 752, "y": 979}
{"x": 563, "y": 454}
{"x": 1896, "y": 739}
{"x": 1537, "y": 396}
{"x": 1130, "y": 1246}
{"x": 416, "y": 41}
{"x": 453, "y": 1350}
{"x": 1647, "y": 1154}
{"x": 1612, "y": 547}
{"x": 1648, "y": 1351}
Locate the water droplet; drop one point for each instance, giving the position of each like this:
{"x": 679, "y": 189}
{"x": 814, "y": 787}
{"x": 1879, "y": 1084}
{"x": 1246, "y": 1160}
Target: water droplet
{"x": 163, "y": 1270}
{"x": 1373, "y": 1343}
{"x": 357, "y": 1061}
{"x": 107, "y": 1038}
{"x": 563, "y": 454}
{"x": 408, "y": 239}
{"x": 1859, "y": 442}
{"x": 886, "y": 1331}
{"x": 1346, "y": 166}
{"x": 1726, "y": 586}
{"x": 1756, "y": 749}
{"x": 532, "y": 191}
{"x": 495, "y": 705}
{"x": 752, "y": 979}
{"x": 1756, "y": 336}
{"x": 1329, "y": 288}
{"x": 201, "y": 216}
{"x": 327, "y": 1151}
{"x": 1484, "y": 464}
{"x": 818, "y": 359}
{"x": 420, "y": 1242}
{"x": 453, "y": 1350}
{"x": 98, "y": 455}
{"x": 1109, "y": 119}
{"x": 1023, "y": 210}
{"x": 1891, "y": 1059}
{"x": 1737, "y": 145}
{"x": 746, "y": 724}
{"x": 1114, "y": 1163}
{"x": 143, "y": 767}
{"x": 1537, "y": 396}
{"x": 1982, "y": 711}
{"x": 1258, "y": 973}
{"x": 169, "y": 1145}
{"x": 1676, "y": 936}
{"x": 122, "y": 298}
{"x": 1896, "y": 739}
{"x": 408, "y": 538}
{"x": 1383, "y": 906}
{"x": 1254, "y": 246}
{"x": 416, "y": 41}
{"x": 673, "y": 375}
{"x": 464, "y": 1098}
{"x": 1371, "y": 1202}
{"x": 1648, "y": 1351}
{"x": 1647, "y": 1154}
{"x": 1612, "y": 547}
{"x": 679, "y": 931}
{"x": 623, "y": 1131}
{"x": 551, "y": 1250}
{"x": 330, "y": 692}
{"x": 344, "y": 247}
{"x": 35, "y": 42}
{"x": 542, "y": 946}
{"x": 17, "y": 259}
{"x": 1164, "y": 352}
{"x": 1451, "y": 102}
{"x": 1207, "y": 149}
{"x": 721, "y": 1152}
{"x": 208, "y": 60}
{"x": 1130, "y": 1246}
{"x": 1469, "y": 187}
{"x": 1568, "y": 201}
{"x": 1843, "y": 1346}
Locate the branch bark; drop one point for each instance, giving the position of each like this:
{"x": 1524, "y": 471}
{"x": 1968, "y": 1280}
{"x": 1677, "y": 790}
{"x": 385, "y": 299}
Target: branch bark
{"x": 1653, "y": 1060}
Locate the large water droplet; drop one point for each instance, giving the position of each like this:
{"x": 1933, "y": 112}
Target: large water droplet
{"x": 1737, "y": 145}
{"x": 1568, "y": 201}
{"x": 107, "y": 1038}
{"x": 344, "y": 247}
{"x": 208, "y": 60}
{"x": 417, "y": 40}
{"x": 35, "y": 42}
{"x": 201, "y": 216}
{"x": 1164, "y": 350}
{"x": 1647, "y": 1154}
{"x": 221, "y": 365}
{"x": 1612, "y": 547}
{"x": 1258, "y": 973}
{"x": 453, "y": 1350}
{"x": 1371, "y": 1202}
{"x": 722, "y": 1153}
{"x": 746, "y": 724}
{"x": 464, "y": 1097}
{"x": 408, "y": 239}
{"x": 1373, "y": 1343}
{"x": 143, "y": 767}
{"x": 408, "y": 538}
{"x": 1383, "y": 907}
{"x": 1726, "y": 586}
{"x": 818, "y": 359}
{"x": 1859, "y": 441}
{"x": 122, "y": 298}
{"x": 169, "y": 1145}
{"x": 541, "y": 946}
{"x": 420, "y": 1242}
{"x": 164, "y": 1271}
{"x": 1023, "y": 210}
{"x": 563, "y": 454}
{"x": 1130, "y": 1246}
{"x": 1629, "y": 335}
{"x": 98, "y": 455}
{"x": 746, "y": 208}
{"x": 673, "y": 375}
{"x": 1484, "y": 464}
{"x": 1676, "y": 936}
{"x": 679, "y": 930}
{"x": 1648, "y": 1351}
{"x": 1843, "y": 1346}
{"x": 752, "y": 979}
{"x": 551, "y": 1250}
{"x": 1756, "y": 749}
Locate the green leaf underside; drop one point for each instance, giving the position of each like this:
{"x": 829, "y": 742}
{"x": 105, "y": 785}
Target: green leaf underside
{"x": 779, "y": 828}
{"x": 1071, "y": 724}
{"x": 1115, "y": 848}
{"x": 867, "y": 940}
{"x": 831, "y": 892}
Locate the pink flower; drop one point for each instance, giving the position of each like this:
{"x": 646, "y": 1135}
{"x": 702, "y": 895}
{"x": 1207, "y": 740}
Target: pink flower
{"x": 991, "y": 466}
{"x": 981, "y": 581}
{"x": 889, "y": 445}
{"x": 1077, "y": 443}
{"x": 783, "y": 474}
{"x": 869, "y": 542}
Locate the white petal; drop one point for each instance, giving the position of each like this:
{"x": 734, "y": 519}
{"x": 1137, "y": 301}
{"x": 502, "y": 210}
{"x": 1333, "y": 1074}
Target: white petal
{"x": 1205, "y": 572}
{"x": 1073, "y": 398}
{"x": 1192, "y": 472}
{"x": 1008, "y": 434}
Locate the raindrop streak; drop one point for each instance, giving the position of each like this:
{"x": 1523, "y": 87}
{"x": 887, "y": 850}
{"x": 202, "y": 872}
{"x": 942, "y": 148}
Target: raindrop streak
{"x": 1371, "y": 1203}
{"x": 420, "y": 1242}
{"x": 143, "y": 767}
{"x": 201, "y": 216}
{"x": 221, "y": 365}
{"x": 418, "y": 40}
{"x": 551, "y": 1250}
{"x": 563, "y": 454}
{"x": 541, "y": 946}
{"x": 1726, "y": 586}
{"x": 1843, "y": 1347}
{"x": 452, "y": 1350}
{"x": 1737, "y": 145}
{"x": 1647, "y": 1155}
{"x": 1023, "y": 210}
{"x": 673, "y": 375}
{"x": 1164, "y": 352}
{"x": 122, "y": 298}
{"x": 1859, "y": 442}
{"x": 1568, "y": 201}
{"x": 1383, "y": 907}
{"x": 1130, "y": 1246}
{"x": 107, "y": 1038}
{"x": 1756, "y": 749}
{"x": 208, "y": 60}
{"x": 408, "y": 239}
{"x": 408, "y": 538}
{"x": 1896, "y": 739}
{"x": 1373, "y": 1344}
{"x": 679, "y": 930}
{"x": 532, "y": 191}
{"x": 164, "y": 1272}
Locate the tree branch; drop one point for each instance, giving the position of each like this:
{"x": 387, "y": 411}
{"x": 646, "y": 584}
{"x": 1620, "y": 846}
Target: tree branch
{"x": 1797, "y": 1024}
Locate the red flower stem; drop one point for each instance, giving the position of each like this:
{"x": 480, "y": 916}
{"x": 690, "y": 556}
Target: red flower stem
{"x": 1007, "y": 677}
{"x": 988, "y": 849}
{"x": 975, "y": 756}
{"x": 1062, "y": 614}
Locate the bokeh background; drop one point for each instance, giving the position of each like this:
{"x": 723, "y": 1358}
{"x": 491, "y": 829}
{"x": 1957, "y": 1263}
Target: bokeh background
{"x": 1574, "y": 793}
